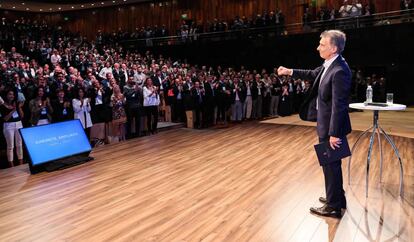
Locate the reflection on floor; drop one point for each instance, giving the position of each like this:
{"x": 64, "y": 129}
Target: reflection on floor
{"x": 249, "y": 182}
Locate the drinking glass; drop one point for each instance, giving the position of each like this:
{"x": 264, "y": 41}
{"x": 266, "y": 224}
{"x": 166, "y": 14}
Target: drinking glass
{"x": 390, "y": 98}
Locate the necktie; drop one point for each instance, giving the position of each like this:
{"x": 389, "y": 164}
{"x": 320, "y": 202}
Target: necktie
{"x": 318, "y": 80}
{"x": 319, "y": 77}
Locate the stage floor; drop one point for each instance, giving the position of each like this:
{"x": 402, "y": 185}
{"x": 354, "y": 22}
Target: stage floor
{"x": 250, "y": 182}
{"x": 400, "y": 123}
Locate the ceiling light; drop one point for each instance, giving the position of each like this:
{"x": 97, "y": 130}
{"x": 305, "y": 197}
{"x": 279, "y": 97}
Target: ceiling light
{"x": 92, "y": 4}
{"x": 59, "y": 8}
{"x": 22, "y": 3}
{"x": 40, "y": 10}
{"x": 114, "y": 1}
{"x": 72, "y": 7}
{"x": 27, "y": 9}
{"x": 82, "y": 6}
{"x": 50, "y": 9}
{"x": 102, "y": 3}
{"x": 14, "y": 6}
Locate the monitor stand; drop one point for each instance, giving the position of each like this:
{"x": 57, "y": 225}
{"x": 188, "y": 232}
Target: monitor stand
{"x": 66, "y": 163}
{"x": 61, "y": 163}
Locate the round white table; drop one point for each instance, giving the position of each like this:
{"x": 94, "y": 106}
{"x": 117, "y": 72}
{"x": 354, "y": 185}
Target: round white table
{"x": 376, "y": 129}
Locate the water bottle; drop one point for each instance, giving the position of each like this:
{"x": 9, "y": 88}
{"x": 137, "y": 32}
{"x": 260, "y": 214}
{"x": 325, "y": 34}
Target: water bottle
{"x": 369, "y": 94}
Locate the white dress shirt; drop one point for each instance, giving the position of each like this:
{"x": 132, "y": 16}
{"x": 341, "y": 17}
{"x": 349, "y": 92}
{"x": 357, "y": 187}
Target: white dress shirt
{"x": 326, "y": 65}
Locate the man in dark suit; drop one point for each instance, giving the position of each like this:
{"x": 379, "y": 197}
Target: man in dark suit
{"x": 157, "y": 79}
{"x": 238, "y": 97}
{"x": 119, "y": 76}
{"x": 331, "y": 89}
{"x": 197, "y": 94}
{"x": 209, "y": 104}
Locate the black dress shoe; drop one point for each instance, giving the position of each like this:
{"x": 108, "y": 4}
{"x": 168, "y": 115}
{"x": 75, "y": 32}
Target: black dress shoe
{"x": 327, "y": 211}
{"x": 323, "y": 200}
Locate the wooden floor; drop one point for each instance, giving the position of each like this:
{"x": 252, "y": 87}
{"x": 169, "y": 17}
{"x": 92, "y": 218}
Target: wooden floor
{"x": 399, "y": 123}
{"x": 250, "y": 182}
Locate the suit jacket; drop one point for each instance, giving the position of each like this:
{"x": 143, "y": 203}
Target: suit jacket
{"x": 332, "y": 97}
{"x": 255, "y": 89}
{"x": 198, "y": 99}
{"x": 134, "y": 98}
{"x": 156, "y": 80}
{"x": 100, "y": 113}
{"x": 242, "y": 93}
{"x": 208, "y": 90}
{"x": 120, "y": 77}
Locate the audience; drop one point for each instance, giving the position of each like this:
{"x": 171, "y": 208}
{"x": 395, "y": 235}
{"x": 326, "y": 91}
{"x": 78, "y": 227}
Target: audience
{"x": 52, "y": 76}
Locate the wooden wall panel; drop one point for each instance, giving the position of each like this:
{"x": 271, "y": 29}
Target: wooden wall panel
{"x": 129, "y": 17}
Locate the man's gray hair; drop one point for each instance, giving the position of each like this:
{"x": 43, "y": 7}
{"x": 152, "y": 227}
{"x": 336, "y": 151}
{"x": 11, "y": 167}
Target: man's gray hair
{"x": 337, "y": 37}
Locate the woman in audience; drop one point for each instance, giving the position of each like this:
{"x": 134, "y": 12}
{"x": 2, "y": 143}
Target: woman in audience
{"x": 62, "y": 108}
{"x": 82, "y": 109}
{"x": 285, "y": 101}
{"x": 12, "y": 113}
{"x": 118, "y": 113}
{"x": 151, "y": 102}
{"x": 40, "y": 108}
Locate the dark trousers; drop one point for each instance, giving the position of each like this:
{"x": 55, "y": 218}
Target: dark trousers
{"x": 88, "y": 133}
{"x": 152, "y": 118}
{"x": 178, "y": 113}
{"x": 266, "y": 105}
{"x": 208, "y": 113}
{"x": 335, "y": 194}
{"x": 198, "y": 116}
{"x": 221, "y": 110}
{"x": 131, "y": 114}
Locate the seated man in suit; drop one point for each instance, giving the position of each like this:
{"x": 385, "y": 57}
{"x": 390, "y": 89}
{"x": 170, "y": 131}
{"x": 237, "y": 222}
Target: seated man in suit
{"x": 331, "y": 89}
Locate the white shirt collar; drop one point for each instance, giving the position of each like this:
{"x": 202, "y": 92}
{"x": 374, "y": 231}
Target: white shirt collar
{"x": 329, "y": 62}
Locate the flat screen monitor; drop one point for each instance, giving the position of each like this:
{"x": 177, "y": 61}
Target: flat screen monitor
{"x": 55, "y": 141}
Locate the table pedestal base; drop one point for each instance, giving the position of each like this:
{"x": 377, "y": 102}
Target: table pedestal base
{"x": 376, "y": 129}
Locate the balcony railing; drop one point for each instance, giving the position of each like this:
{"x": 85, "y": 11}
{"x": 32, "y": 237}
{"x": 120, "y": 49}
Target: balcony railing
{"x": 386, "y": 18}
